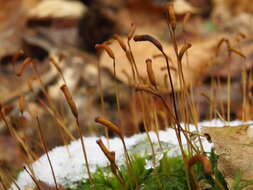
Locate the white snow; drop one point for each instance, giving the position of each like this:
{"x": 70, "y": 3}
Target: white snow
{"x": 69, "y": 165}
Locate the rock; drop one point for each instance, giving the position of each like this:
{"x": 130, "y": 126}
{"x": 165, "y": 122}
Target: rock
{"x": 57, "y": 9}
{"x": 234, "y": 147}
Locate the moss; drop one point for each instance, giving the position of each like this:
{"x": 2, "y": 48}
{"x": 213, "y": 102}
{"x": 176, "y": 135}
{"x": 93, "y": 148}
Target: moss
{"x": 169, "y": 174}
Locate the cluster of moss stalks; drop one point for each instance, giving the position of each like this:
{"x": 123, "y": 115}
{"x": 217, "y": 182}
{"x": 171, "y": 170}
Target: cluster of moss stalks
{"x": 195, "y": 169}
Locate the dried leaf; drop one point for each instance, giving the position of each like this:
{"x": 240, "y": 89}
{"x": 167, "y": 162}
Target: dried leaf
{"x": 198, "y": 61}
{"x": 234, "y": 145}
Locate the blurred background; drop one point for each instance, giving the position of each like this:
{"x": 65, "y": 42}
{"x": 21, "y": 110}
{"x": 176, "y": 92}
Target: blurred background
{"x": 67, "y": 31}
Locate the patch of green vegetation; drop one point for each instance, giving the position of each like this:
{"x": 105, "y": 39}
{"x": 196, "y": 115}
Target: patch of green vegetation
{"x": 240, "y": 184}
{"x": 169, "y": 174}
{"x": 210, "y": 26}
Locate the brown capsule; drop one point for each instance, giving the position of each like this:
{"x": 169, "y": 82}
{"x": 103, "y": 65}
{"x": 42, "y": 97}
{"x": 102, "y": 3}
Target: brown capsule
{"x": 150, "y": 71}
{"x": 107, "y": 153}
{"x": 158, "y": 55}
{"x": 30, "y": 85}
{"x": 21, "y": 103}
{"x": 183, "y": 50}
{"x": 172, "y": 68}
{"x": 120, "y": 41}
{"x": 106, "y": 48}
{"x": 17, "y": 55}
{"x": 172, "y": 21}
{"x": 131, "y": 32}
{"x": 206, "y": 96}
{"x": 69, "y": 99}
{"x": 146, "y": 37}
{"x": 237, "y": 52}
{"x": 21, "y": 68}
{"x": 129, "y": 57}
{"x": 161, "y": 55}
{"x": 165, "y": 80}
{"x": 201, "y": 158}
{"x": 109, "y": 125}
{"x": 242, "y": 35}
{"x": 34, "y": 66}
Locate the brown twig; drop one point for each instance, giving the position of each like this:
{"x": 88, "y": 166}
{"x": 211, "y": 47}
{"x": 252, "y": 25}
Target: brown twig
{"x": 46, "y": 151}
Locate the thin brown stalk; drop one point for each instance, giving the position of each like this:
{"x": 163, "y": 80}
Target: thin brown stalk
{"x": 33, "y": 178}
{"x": 156, "y": 124}
{"x": 228, "y": 46}
{"x": 101, "y": 95}
{"x": 58, "y": 119}
{"x": 111, "y": 54}
{"x": 106, "y": 48}
{"x": 171, "y": 16}
{"x": 16, "y": 136}
{"x": 74, "y": 110}
{"x": 21, "y": 68}
{"x": 148, "y": 90}
{"x": 131, "y": 31}
{"x": 3, "y": 185}
{"x": 12, "y": 179}
{"x": 43, "y": 87}
{"x": 46, "y": 151}
{"x": 151, "y": 74}
{"x": 120, "y": 41}
{"x": 129, "y": 53}
{"x": 70, "y": 100}
{"x": 183, "y": 51}
{"x": 58, "y": 68}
